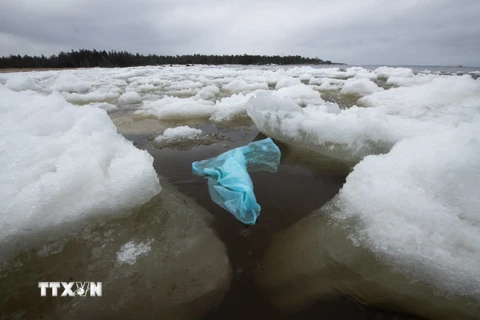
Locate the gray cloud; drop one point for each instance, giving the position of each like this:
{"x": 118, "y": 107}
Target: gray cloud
{"x": 442, "y": 32}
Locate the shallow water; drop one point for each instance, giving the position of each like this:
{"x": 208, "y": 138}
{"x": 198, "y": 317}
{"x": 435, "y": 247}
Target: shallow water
{"x": 286, "y": 197}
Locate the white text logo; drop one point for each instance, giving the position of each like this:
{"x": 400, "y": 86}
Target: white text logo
{"x": 71, "y": 289}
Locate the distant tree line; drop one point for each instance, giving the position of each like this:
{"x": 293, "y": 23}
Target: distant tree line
{"x": 94, "y": 58}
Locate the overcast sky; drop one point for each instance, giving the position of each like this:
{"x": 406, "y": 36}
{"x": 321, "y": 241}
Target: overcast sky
{"x": 418, "y": 32}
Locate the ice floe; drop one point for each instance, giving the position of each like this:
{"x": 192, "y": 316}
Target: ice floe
{"x": 61, "y": 165}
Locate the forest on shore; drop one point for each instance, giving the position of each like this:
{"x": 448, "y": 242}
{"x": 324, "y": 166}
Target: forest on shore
{"x": 108, "y": 59}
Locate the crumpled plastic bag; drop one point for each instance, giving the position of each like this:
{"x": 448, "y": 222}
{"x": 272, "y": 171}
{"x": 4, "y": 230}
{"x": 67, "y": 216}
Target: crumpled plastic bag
{"x": 229, "y": 183}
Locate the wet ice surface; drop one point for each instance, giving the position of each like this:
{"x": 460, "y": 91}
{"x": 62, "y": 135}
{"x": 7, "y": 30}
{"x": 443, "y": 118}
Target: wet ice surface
{"x": 129, "y": 252}
{"x": 162, "y": 261}
{"x": 402, "y": 234}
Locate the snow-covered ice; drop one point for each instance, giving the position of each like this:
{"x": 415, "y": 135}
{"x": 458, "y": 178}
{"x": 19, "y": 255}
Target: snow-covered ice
{"x": 61, "y": 165}
{"x": 70, "y": 83}
{"x": 287, "y": 82}
{"x": 361, "y": 86}
{"x": 208, "y": 93}
{"x": 94, "y": 96}
{"x": 386, "y": 72}
{"x": 21, "y": 83}
{"x": 232, "y": 107}
{"x": 392, "y": 115}
{"x": 130, "y": 97}
{"x": 441, "y": 96}
{"x": 241, "y": 86}
{"x": 178, "y": 133}
{"x": 417, "y": 207}
{"x": 108, "y": 107}
{"x": 177, "y": 108}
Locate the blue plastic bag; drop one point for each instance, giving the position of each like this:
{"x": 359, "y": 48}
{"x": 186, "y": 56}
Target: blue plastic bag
{"x": 229, "y": 183}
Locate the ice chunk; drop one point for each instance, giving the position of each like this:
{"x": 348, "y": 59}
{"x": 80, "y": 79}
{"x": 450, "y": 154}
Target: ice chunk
{"x": 231, "y": 107}
{"x": 241, "y": 86}
{"x": 420, "y": 209}
{"x": 163, "y": 260}
{"x": 416, "y": 80}
{"x": 360, "y": 72}
{"x": 404, "y": 228}
{"x": 129, "y": 251}
{"x": 439, "y": 94}
{"x": 177, "y": 108}
{"x": 287, "y": 82}
{"x": 70, "y": 83}
{"x": 178, "y": 133}
{"x": 300, "y": 93}
{"x": 147, "y": 88}
{"x": 207, "y": 93}
{"x": 129, "y": 73}
{"x": 185, "y": 84}
{"x": 94, "y": 96}
{"x": 108, "y": 107}
{"x": 130, "y": 97}
{"x": 386, "y": 72}
{"x": 351, "y": 134}
{"x": 334, "y": 72}
{"x": 360, "y": 86}
{"x": 185, "y": 138}
{"x": 327, "y": 84}
{"x": 305, "y": 77}
{"x": 62, "y": 165}
{"x": 21, "y": 82}
{"x": 346, "y": 135}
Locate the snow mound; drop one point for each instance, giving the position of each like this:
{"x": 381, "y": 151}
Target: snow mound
{"x": 61, "y": 165}
{"x": 361, "y": 86}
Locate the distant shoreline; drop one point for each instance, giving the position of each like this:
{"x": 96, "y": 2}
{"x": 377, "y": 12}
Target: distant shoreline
{"x": 112, "y": 59}
{"x": 13, "y": 70}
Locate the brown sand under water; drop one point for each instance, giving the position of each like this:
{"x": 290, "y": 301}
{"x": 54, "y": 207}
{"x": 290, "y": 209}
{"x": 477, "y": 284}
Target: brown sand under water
{"x": 286, "y": 197}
